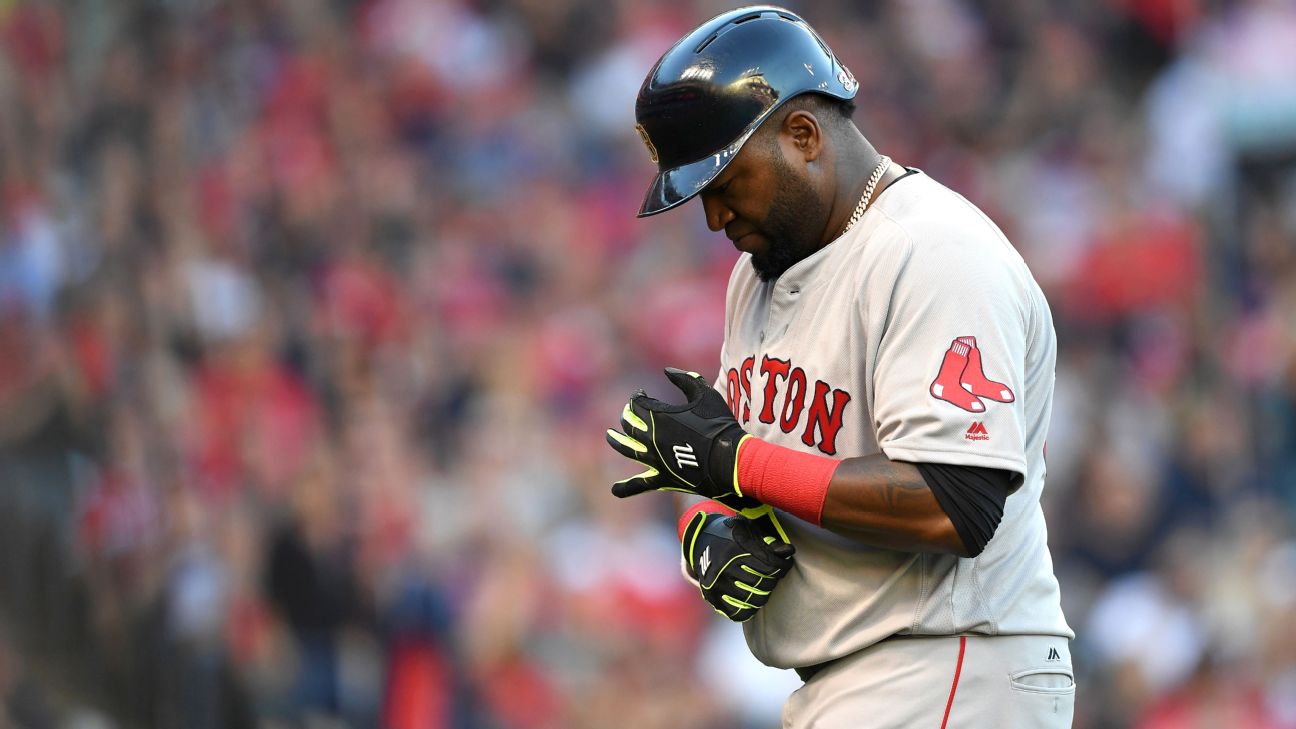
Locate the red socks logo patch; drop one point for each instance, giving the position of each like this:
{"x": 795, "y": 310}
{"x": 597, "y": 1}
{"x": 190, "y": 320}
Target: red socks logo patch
{"x": 962, "y": 382}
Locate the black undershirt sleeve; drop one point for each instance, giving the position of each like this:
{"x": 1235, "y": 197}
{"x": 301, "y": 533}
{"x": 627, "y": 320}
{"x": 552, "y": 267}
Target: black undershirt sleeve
{"x": 972, "y": 497}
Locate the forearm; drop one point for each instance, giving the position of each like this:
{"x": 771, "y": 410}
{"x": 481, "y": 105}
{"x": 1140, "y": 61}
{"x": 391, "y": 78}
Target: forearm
{"x": 870, "y": 499}
{"x": 886, "y": 503}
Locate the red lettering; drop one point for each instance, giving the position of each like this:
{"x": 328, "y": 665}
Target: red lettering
{"x": 793, "y": 400}
{"x": 745, "y": 376}
{"x": 773, "y": 369}
{"x": 731, "y": 386}
{"x": 828, "y": 419}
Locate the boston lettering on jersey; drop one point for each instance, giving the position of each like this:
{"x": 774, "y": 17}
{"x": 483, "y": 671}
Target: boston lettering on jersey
{"x": 788, "y": 398}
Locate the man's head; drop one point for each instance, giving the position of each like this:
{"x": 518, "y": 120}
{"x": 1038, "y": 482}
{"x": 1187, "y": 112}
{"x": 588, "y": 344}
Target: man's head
{"x": 709, "y": 94}
{"x": 772, "y": 200}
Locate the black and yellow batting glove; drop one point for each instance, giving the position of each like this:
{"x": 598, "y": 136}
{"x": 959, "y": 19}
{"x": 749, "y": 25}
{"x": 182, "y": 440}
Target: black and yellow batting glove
{"x": 691, "y": 447}
{"x": 736, "y": 560}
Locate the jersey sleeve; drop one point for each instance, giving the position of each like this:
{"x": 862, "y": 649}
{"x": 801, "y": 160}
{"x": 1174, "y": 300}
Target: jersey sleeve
{"x": 949, "y": 366}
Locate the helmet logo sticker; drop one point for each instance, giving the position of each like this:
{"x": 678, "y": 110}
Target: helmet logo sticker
{"x": 809, "y": 68}
{"x": 846, "y": 79}
{"x": 643, "y": 133}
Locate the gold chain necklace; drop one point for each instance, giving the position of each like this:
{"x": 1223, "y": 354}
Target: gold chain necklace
{"x": 883, "y": 165}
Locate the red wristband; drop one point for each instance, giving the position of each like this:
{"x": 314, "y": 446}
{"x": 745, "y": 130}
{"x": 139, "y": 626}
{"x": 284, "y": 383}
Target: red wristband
{"x": 710, "y": 507}
{"x": 786, "y": 479}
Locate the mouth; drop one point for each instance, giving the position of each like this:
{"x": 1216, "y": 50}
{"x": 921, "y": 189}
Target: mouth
{"x": 745, "y": 242}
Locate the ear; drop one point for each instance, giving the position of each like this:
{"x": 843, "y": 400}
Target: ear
{"x": 803, "y": 133}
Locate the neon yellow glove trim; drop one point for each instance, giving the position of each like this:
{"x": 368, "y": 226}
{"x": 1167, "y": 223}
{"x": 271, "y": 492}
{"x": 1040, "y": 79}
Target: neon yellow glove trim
{"x": 738, "y": 603}
{"x": 646, "y": 474}
{"x": 627, "y": 441}
{"x": 762, "y": 575}
{"x": 756, "y": 513}
{"x": 633, "y": 419}
{"x": 693, "y": 541}
{"x": 721, "y": 571}
{"x": 738, "y": 489}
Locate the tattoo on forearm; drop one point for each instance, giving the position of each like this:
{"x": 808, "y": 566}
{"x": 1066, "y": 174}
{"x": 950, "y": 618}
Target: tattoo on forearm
{"x": 884, "y": 503}
{"x": 900, "y": 498}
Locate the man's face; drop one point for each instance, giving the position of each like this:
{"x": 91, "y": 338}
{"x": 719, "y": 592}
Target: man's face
{"x": 767, "y": 207}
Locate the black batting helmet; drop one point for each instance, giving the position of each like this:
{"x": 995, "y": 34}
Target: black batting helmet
{"x": 714, "y": 87}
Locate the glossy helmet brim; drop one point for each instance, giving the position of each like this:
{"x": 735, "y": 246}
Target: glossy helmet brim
{"x": 678, "y": 185}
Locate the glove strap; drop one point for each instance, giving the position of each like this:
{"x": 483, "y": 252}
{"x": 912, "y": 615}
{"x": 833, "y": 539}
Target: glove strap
{"x": 710, "y": 507}
{"x": 786, "y": 479}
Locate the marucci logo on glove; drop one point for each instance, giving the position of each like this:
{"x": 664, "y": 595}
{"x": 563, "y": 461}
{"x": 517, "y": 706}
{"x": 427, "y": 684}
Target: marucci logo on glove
{"x": 684, "y": 455}
{"x": 701, "y": 433}
{"x": 749, "y": 551}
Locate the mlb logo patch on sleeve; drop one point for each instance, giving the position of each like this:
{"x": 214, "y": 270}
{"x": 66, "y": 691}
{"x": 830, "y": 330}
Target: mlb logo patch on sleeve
{"x": 962, "y": 382}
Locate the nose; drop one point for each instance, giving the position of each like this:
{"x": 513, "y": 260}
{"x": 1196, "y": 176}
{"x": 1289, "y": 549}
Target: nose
{"x": 718, "y": 214}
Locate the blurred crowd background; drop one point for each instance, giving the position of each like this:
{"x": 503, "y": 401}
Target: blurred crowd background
{"x": 312, "y": 314}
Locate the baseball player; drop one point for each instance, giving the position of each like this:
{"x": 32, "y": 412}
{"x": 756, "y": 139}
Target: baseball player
{"x": 880, "y": 417}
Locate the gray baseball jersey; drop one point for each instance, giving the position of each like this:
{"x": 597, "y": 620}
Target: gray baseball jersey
{"x": 920, "y": 334}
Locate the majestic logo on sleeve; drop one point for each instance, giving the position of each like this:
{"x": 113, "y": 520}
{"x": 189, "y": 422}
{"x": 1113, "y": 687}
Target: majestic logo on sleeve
{"x": 816, "y": 411}
{"x": 977, "y": 431}
{"x": 962, "y": 382}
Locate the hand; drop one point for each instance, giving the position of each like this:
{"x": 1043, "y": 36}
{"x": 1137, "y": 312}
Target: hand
{"x": 736, "y": 560}
{"x": 691, "y": 447}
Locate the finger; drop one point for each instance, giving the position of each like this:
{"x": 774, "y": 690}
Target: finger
{"x": 693, "y": 385}
{"x": 751, "y": 588}
{"x": 737, "y": 616}
{"x": 768, "y": 559}
{"x": 764, "y": 536}
{"x": 630, "y": 421}
{"x": 735, "y": 602}
{"x": 719, "y": 573}
{"x": 625, "y": 445}
{"x": 635, "y": 485}
{"x": 731, "y": 607}
{"x": 640, "y": 403}
{"x": 782, "y": 550}
{"x": 773, "y": 555}
{"x": 762, "y": 575}
{"x": 765, "y": 522}
{"x": 753, "y": 591}
{"x": 735, "y": 613}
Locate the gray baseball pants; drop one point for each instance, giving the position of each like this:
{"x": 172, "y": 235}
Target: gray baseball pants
{"x": 941, "y": 682}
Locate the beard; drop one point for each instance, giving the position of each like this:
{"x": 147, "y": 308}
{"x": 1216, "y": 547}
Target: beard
{"x": 793, "y": 225}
